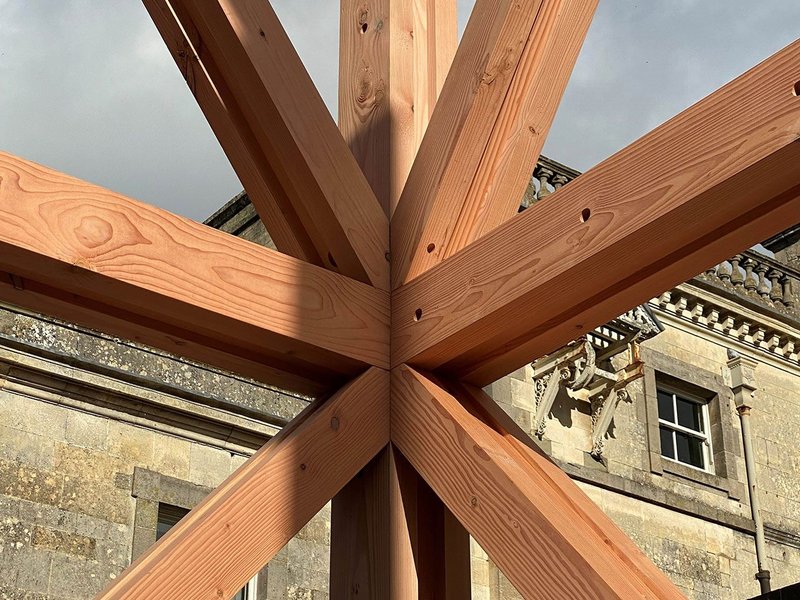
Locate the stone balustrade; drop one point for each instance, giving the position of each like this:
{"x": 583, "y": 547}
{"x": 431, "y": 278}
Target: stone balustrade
{"x": 757, "y": 276}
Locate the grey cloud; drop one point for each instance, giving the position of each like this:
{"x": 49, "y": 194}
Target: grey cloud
{"x": 87, "y": 87}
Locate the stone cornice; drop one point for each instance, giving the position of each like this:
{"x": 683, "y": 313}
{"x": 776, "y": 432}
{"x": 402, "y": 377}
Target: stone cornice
{"x": 760, "y": 332}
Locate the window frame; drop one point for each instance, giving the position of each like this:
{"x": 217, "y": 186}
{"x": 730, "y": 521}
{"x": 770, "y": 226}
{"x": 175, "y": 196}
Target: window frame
{"x": 675, "y": 427}
{"x": 151, "y": 489}
{"x": 661, "y": 370}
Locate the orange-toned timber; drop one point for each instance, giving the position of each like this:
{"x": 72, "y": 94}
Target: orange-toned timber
{"x": 507, "y": 79}
{"x": 258, "y": 178}
{"x": 81, "y": 252}
{"x": 722, "y": 175}
{"x": 394, "y": 56}
{"x": 391, "y": 537}
{"x": 529, "y": 522}
{"x": 290, "y": 134}
{"x": 259, "y": 508}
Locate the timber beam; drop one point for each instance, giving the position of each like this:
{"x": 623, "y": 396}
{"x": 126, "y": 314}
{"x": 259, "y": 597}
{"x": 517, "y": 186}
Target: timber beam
{"x": 293, "y": 149}
{"x": 82, "y": 253}
{"x": 722, "y": 175}
{"x": 533, "y": 521}
{"x": 262, "y": 185}
{"x": 484, "y": 138}
{"x": 254, "y": 513}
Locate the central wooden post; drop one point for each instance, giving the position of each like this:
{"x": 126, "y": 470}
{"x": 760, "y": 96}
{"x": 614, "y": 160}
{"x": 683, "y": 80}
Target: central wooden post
{"x": 391, "y": 536}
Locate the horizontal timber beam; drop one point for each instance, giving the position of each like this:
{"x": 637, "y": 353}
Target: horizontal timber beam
{"x": 82, "y": 253}
{"x": 535, "y": 524}
{"x": 495, "y": 110}
{"x": 290, "y": 136}
{"x": 240, "y": 526}
{"x": 263, "y": 189}
{"x": 721, "y": 176}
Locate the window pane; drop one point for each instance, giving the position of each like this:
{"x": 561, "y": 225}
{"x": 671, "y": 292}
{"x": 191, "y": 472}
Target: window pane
{"x": 689, "y": 414}
{"x": 665, "y": 410}
{"x": 667, "y": 447}
{"x": 241, "y": 595}
{"x": 690, "y": 450}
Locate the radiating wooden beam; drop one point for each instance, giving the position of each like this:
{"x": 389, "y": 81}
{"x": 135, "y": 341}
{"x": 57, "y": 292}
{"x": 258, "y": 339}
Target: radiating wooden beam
{"x": 394, "y": 56}
{"x": 510, "y": 71}
{"x": 388, "y": 537}
{"x": 80, "y": 252}
{"x": 262, "y": 185}
{"x": 288, "y": 132}
{"x": 535, "y": 526}
{"x": 240, "y": 526}
{"x": 717, "y": 178}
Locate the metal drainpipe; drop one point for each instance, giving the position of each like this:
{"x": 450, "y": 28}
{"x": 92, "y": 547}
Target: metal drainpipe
{"x": 743, "y": 387}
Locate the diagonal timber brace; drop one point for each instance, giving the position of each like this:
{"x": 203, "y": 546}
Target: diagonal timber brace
{"x": 523, "y": 510}
{"x": 262, "y": 505}
{"x": 80, "y": 252}
{"x": 723, "y": 174}
{"x": 294, "y": 156}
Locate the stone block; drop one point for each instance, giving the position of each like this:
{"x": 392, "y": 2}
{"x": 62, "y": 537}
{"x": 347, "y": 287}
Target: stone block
{"x": 27, "y": 448}
{"x": 33, "y": 416}
{"x": 171, "y": 457}
{"x": 87, "y": 431}
{"x": 22, "y": 481}
{"x": 131, "y": 444}
{"x": 208, "y": 466}
{"x": 63, "y": 541}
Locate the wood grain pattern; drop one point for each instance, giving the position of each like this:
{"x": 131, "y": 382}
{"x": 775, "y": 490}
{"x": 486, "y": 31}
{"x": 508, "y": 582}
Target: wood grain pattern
{"x": 430, "y": 556}
{"x": 394, "y": 56}
{"x": 260, "y": 181}
{"x": 240, "y": 526}
{"x": 532, "y": 528}
{"x": 504, "y": 151}
{"x": 360, "y": 557}
{"x": 114, "y": 260}
{"x": 290, "y": 133}
{"x": 717, "y": 178}
{"x": 471, "y": 99}
{"x": 586, "y": 512}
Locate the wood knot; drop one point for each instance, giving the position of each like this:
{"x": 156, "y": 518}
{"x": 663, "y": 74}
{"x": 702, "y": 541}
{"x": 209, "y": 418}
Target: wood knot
{"x": 335, "y": 423}
{"x": 92, "y": 231}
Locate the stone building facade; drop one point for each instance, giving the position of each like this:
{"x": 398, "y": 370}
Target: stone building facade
{"x": 105, "y": 444}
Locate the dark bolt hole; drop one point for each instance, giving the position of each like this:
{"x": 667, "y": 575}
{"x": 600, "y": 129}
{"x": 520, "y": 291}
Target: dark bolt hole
{"x": 585, "y": 214}
{"x": 364, "y": 27}
{"x": 418, "y": 314}
{"x": 431, "y": 248}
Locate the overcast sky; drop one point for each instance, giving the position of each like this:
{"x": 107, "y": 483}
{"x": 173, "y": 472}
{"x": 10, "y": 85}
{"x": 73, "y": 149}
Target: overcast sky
{"x": 87, "y": 86}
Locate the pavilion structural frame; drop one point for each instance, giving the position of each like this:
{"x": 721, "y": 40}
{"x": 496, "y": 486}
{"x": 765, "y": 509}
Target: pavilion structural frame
{"x": 404, "y": 281}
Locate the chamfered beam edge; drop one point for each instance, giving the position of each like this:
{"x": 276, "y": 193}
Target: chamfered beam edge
{"x": 245, "y": 521}
{"x": 719, "y": 177}
{"x": 289, "y": 134}
{"x": 81, "y": 252}
{"x": 538, "y": 527}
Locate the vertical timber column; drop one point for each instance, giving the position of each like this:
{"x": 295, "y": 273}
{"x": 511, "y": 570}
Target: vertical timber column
{"x": 394, "y": 56}
{"x": 390, "y": 534}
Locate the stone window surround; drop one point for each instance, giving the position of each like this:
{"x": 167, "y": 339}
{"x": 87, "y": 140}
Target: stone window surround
{"x": 725, "y": 443}
{"x": 150, "y": 488}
